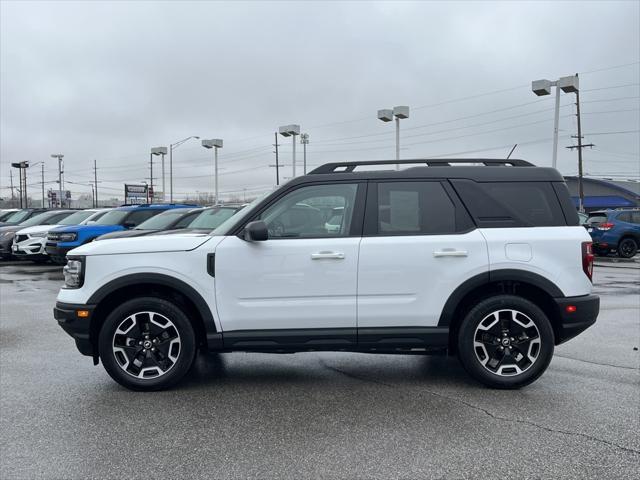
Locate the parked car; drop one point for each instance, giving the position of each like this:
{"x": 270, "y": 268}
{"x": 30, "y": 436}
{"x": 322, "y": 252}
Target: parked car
{"x": 615, "y": 230}
{"x": 487, "y": 262}
{"x": 29, "y": 243}
{"x": 62, "y": 240}
{"x": 175, "y": 219}
{"x": 207, "y": 220}
{"x": 6, "y": 213}
{"x": 21, "y": 215}
{"x": 8, "y": 232}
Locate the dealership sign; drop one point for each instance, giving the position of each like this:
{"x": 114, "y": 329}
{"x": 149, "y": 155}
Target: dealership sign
{"x": 135, "y": 193}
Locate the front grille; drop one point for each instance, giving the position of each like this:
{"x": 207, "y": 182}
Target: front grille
{"x": 21, "y": 238}
{"x": 53, "y": 236}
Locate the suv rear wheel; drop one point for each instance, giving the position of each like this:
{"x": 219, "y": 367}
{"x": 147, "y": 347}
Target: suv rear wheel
{"x": 505, "y": 341}
{"x": 627, "y": 248}
{"x": 147, "y": 344}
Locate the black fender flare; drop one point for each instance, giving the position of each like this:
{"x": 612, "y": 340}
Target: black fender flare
{"x": 501, "y": 275}
{"x": 166, "y": 281}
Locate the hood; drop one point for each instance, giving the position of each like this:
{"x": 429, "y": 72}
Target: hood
{"x": 37, "y": 229}
{"x": 10, "y": 228}
{"x": 126, "y": 234}
{"x": 204, "y": 231}
{"x": 145, "y": 244}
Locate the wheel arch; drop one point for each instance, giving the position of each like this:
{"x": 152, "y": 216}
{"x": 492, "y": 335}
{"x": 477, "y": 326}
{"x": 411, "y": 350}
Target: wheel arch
{"x": 531, "y": 286}
{"x": 152, "y": 284}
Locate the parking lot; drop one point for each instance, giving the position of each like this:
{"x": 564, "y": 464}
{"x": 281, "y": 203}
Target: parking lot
{"x": 337, "y": 415}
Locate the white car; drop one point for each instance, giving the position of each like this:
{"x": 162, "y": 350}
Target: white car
{"x": 29, "y": 243}
{"x": 487, "y": 262}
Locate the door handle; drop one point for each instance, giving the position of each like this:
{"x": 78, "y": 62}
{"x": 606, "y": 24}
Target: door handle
{"x": 329, "y": 255}
{"x": 450, "y": 252}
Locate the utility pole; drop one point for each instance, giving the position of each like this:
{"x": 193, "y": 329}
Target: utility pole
{"x": 277, "y": 164}
{"x": 95, "y": 181}
{"x": 13, "y": 197}
{"x": 60, "y": 185}
{"x": 304, "y": 139}
{"x": 579, "y": 147}
{"x": 42, "y": 170}
{"x": 151, "y": 179}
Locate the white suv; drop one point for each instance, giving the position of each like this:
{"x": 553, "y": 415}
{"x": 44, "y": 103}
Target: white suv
{"x": 485, "y": 261}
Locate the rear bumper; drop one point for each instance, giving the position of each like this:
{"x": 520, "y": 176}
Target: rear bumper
{"x": 78, "y": 327}
{"x": 573, "y": 323}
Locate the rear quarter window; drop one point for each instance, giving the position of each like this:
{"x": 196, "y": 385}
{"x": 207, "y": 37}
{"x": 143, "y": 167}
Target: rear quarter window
{"x": 512, "y": 204}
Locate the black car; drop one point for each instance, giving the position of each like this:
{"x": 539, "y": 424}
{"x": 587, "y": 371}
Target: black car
{"x": 208, "y": 219}
{"x": 176, "y": 219}
{"x": 21, "y": 215}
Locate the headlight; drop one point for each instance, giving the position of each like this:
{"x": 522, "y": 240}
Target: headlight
{"x": 38, "y": 235}
{"x": 74, "y": 272}
{"x": 67, "y": 237}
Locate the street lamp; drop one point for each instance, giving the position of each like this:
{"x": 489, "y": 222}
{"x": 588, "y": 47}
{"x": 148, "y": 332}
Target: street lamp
{"x": 22, "y": 168}
{"x": 399, "y": 112}
{"x": 304, "y": 139}
{"x": 160, "y": 151}
{"x": 214, "y": 143}
{"x": 59, "y": 156}
{"x": 171, "y": 148}
{"x": 291, "y": 131}
{"x": 543, "y": 87}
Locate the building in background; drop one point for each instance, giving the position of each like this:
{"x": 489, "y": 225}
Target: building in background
{"x": 603, "y": 193}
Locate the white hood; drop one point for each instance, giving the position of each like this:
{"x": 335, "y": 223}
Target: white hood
{"x": 37, "y": 229}
{"x": 146, "y": 244}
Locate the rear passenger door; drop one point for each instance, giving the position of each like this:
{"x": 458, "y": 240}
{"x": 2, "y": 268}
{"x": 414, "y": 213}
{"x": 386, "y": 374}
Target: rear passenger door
{"x": 419, "y": 245}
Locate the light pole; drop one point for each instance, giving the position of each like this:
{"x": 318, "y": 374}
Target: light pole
{"x": 214, "y": 143}
{"x": 304, "y": 139}
{"x": 59, "y": 156}
{"x": 41, "y": 178}
{"x": 543, "y": 87}
{"x": 172, "y": 147}
{"x": 22, "y": 168}
{"x": 399, "y": 112}
{"x": 291, "y": 131}
{"x": 161, "y": 151}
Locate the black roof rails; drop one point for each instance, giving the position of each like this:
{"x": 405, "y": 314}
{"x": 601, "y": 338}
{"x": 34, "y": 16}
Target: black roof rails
{"x": 342, "y": 167}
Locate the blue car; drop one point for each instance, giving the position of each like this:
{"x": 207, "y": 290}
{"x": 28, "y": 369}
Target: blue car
{"x": 63, "y": 239}
{"x": 615, "y": 230}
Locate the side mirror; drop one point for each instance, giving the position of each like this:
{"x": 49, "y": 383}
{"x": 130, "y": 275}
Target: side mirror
{"x": 256, "y": 231}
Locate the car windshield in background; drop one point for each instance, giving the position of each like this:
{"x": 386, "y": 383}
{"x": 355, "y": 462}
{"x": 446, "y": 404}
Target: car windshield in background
{"x": 40, "y": 219}
{"x": 18, "y": 216}
{"x": 595, "y": 219}
{"x": 210, "y": 219}
{"x": 114, "y": 217}
{"x": 162, "y": 220}
{"x": 76, "y": 218}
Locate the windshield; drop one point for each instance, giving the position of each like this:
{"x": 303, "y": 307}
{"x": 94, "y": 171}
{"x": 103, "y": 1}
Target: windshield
{"x": 212, "y": 218}
{"x": 114, "y": 217}
{"x": 163, "y": 220}
{"x": 18, "y": 216}
{"x": 76, "y": 218}
{"x": 242, "y": 214}
{"x": 40, "y": 219}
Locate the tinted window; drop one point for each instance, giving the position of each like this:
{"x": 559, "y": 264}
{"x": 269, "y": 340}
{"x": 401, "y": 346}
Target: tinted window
{"x": 163, "y": 220}
{"x": 415, "y": 208}
{"x": 625, "y": 217}
{"x": 597, "y": 218}
{"x": 212, "y": 218}
{"x": 139, "y": 216}
{"x": 305, "y": 212}
{"x": 635, "y": 217}
{"x": 511, "y": 204}
{"x": 113, "y": 217}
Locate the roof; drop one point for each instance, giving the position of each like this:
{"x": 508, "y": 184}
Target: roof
{"x": 486, "y": 170}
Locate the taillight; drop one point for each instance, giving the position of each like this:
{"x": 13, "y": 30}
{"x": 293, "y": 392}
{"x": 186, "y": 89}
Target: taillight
{"x": 587, "y": 259}
{"x": 605, "y": 226}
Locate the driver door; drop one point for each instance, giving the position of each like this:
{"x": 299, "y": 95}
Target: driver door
{"x": 299, "y": 286}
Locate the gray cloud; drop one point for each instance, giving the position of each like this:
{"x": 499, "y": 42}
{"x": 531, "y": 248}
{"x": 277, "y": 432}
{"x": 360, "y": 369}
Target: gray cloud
{"x": 109, "y": 80}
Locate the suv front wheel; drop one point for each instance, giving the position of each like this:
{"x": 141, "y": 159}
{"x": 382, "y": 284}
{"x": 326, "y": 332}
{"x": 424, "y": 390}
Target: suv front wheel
{"x": 147, "y": 344}
{"x": 505, "y": 341}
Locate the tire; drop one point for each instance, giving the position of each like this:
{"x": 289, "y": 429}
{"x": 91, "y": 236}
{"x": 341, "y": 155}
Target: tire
{"x": 147, "y": 344}
{"x": 627, "y": 248}
{"x": 506, "y": 361}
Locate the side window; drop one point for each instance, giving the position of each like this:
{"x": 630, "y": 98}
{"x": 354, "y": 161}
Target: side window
{"x": 625, "y": 217}
{"x": 312, "y": 211}
{"x": 635, "y": 217}
{"x": 139, "y": 216}
{"x": 415, "y": 208}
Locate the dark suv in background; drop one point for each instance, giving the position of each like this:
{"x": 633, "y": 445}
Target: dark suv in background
{"x": 617, "y": 230}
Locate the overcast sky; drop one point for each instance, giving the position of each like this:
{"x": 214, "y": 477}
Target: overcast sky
{"x": 110, "y": 80}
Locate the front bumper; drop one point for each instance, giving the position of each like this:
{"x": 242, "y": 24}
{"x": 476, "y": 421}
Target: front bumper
{"x": 78, "y": 327}
{"x": 53, "y": 250}
{"x": 29, "y": 247}
{"x": 577, "y": 321}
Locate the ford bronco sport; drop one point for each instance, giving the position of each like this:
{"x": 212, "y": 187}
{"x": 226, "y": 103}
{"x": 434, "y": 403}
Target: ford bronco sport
{"x": 483, "y": 259}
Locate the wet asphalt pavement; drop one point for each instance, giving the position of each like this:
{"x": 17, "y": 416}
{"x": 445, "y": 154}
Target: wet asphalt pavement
{"x": 317, "y": 415}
